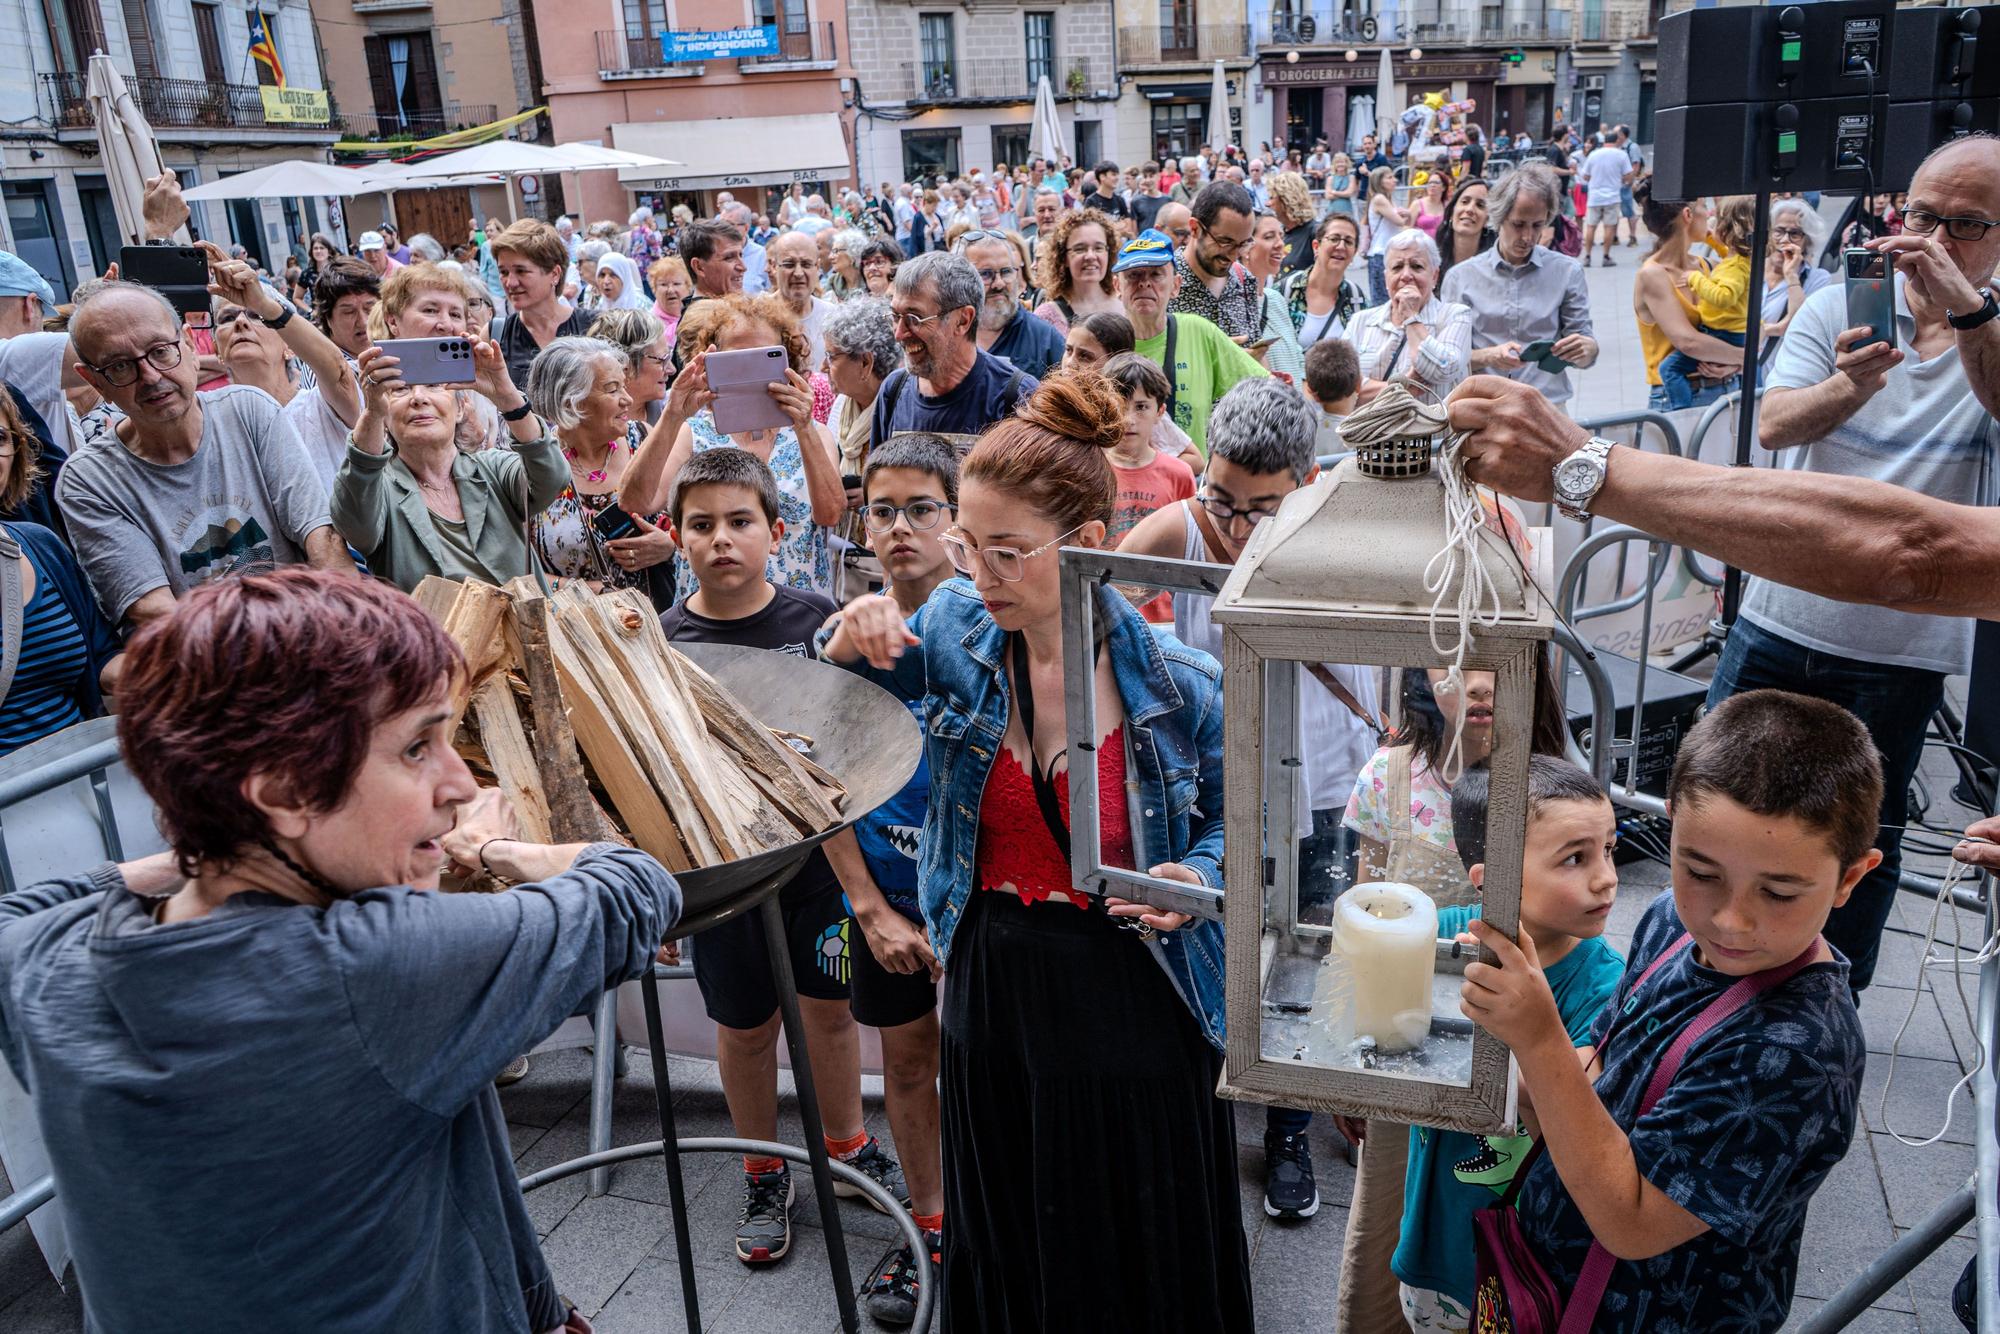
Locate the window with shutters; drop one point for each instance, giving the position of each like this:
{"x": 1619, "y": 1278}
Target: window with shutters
{"x": 208, "y": 37}
{"x": 139, "y": 32}
{"x": 1041, "y": 33}
{"x": 402, "y": 75}
{"x": 266, "y": 78}
{"x": 645, "y": 20}
{"x": 75, "y": 30}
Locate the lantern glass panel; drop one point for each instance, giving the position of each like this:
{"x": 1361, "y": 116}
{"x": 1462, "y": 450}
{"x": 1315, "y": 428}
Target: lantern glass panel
{"x": 1358, "y": 979}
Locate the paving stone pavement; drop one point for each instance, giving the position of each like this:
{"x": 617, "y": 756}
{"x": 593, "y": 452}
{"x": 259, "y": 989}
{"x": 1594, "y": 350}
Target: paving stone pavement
{"x": 614, "y": 1255}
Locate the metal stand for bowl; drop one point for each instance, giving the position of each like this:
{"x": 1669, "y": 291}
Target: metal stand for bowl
{"x": 867, "y": 736}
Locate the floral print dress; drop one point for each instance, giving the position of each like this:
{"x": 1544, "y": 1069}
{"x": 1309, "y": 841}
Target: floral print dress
{"x": 570, "y": 548}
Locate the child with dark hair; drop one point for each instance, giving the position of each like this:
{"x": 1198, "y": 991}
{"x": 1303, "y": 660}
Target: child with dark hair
{"x": 1568, "y": 883}
{"x": 909, "y": 498}
{"x": 724, "y": 508}
{"x": 1699, "y": 1195}
{"x": 1333, "y": 379}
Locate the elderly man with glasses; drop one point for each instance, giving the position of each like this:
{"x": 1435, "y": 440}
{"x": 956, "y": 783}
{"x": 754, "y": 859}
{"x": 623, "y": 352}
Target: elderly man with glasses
{"x": 949, "y": 384}
{"x": 1916, "y": 410}
{"x": 190, "y": 486}
{"x": 793, "y": 264}
{"x": 1006, "y": 327}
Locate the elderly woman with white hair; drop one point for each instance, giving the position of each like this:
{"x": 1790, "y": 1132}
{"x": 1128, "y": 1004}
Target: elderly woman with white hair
{"x": 1414, "y": 335}
{"x": 844, "y": 279}
{"x": 413, "y": 503}
{"x": 579, "y": 385}
{"x": 1790, "y": 276}
{"x": 861, "y": 350}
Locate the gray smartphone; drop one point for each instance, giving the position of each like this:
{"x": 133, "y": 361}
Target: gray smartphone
{"x": 1871, "y": 295}
{"x": 432, "y": 360}
{"x": 742, "y": 403}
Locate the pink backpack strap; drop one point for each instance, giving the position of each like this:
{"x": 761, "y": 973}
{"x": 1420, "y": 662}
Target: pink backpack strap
{"x": 1588, "y": 1294}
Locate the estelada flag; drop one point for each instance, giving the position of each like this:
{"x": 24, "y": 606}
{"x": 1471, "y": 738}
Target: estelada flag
{"x": 263, "y": 49}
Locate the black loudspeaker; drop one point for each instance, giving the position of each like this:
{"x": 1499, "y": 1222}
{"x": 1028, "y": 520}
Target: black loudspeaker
{"x": 1743, "y": 147}
{"x": 1916, "y": 128}
{"x": 1776, "y": 52}
{"x": 1946, "y": 54}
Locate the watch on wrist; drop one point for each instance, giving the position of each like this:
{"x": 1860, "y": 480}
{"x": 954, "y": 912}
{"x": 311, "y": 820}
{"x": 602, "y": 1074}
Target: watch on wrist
{"x": 1972, "y": 320}
{"x": 518, "y": 413}
{"x": 1580, "y": 477}
{"x": 281, "y": 319}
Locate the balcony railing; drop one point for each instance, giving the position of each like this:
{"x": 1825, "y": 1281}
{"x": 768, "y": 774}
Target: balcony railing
{"x": 455, "y": 116}
{"x": 1617, "y": 25}
{"x": 812, "y": 45}
{"x": 172, "y": 104}
{"x": 976, "y": 80}
{"x": 1180, "y": 44}
{"x": 1319, "y": 24}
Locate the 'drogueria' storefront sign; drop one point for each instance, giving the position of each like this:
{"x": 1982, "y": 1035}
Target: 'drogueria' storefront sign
{"x": 296, "y": 106}
{"x": 680, "y": 47}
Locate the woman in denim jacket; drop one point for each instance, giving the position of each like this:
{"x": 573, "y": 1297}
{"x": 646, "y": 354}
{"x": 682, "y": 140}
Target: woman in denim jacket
{"x": 1090, "y": 1171}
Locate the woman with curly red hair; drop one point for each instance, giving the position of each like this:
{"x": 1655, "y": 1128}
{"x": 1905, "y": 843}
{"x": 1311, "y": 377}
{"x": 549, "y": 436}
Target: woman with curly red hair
{"x": 273, "y": 1047}
{"x": 1073, "y": 269}
{"x": 1089, "y": 1169}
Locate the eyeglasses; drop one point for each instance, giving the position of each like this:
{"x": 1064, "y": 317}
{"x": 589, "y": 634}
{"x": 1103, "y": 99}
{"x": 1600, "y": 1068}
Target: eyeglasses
{"x": 794, "y": 265}
{"x": 1223, "y": 512}
{"x": 991, "y": 276}
{"x": 1009, "y": 564}
{"x": 978, "y": 234}
{"x": 915, "y": 323}
{"x": 1225, "y": 246}
{"x": 1339, "y": 239}
{"x": 229, "y": 316}
{"x": 922, "y": 514}
{"x": 1923, "y": 222}
{"x": 125, "y": 370}
{"x": 656, "y": 359}
{"x": 1788, "y": 234}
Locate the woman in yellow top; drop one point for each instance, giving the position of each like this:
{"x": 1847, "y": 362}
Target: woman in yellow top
{"x": 1663, "y": 305}
{"x": 1721, "y": 294}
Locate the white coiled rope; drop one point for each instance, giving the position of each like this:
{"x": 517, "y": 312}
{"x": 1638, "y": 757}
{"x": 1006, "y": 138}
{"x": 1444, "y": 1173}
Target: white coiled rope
{"x": 1397, "y": 414}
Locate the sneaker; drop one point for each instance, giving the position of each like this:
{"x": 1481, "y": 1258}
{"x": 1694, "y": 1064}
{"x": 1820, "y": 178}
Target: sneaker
{"x": 764, "y": 1233}
{"x": 1609, "y": 262}
{"x": 889, "y": 1293}
{"x": 513, "y": 1072}
{"x": 1289, "y": 1191}
{"x": 874, "y": 1161}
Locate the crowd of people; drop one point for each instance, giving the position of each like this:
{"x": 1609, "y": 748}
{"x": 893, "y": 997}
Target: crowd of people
{"x": 974, "y": 373}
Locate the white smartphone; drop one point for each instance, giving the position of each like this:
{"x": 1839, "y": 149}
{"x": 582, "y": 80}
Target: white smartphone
{"x": 742, "y": 403}
{"x": 432, "y": 360}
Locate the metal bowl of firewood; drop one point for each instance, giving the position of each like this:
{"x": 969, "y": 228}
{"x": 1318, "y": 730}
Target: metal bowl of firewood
{"x": 728, "y": 764}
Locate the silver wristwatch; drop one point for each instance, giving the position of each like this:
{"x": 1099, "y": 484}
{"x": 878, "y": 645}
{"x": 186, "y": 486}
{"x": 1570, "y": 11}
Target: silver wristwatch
{"x": 1580, "y": 477}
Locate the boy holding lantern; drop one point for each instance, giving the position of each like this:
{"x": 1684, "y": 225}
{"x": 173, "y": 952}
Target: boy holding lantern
{"x": 1698, "y": 1196}
{"x": 1568, "y": 884}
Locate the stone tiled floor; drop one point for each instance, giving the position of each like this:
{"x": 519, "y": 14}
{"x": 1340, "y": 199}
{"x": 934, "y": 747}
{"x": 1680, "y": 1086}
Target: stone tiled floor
{"x": 614, "y": 1254}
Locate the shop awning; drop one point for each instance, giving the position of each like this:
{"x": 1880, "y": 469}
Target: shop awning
{"x": 741, "y": 150}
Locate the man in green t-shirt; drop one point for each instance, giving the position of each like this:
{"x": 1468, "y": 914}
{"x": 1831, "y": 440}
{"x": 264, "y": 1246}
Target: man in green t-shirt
{"x": 1204, "y": 363}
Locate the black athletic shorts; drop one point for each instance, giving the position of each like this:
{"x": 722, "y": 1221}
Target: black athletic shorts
{"x": 882, "y": 999}
{"x": 732, "y": 965}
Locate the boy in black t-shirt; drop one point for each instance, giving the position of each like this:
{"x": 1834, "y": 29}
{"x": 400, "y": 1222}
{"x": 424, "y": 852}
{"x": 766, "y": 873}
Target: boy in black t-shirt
{"x": 724, "y": 509}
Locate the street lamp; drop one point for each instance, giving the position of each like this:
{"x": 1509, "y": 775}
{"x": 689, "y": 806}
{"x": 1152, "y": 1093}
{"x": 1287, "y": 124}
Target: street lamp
{"x": 1356, "y": 1011}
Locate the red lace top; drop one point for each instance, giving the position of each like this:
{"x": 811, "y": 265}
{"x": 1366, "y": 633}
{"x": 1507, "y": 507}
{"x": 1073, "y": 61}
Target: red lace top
{"x": 1015, "y": 847}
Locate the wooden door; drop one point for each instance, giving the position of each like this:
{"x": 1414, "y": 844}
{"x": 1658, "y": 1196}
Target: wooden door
{"x": 446, "y": 214}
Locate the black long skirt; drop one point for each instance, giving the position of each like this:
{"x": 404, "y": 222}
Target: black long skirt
{"x": 1089, "y": 1168}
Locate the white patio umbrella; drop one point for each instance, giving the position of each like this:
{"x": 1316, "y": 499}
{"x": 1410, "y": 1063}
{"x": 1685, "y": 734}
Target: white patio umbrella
{"x": 1046, "y": 141}
{"x": 291, "y": 180}
{"x": 597, "y": 157}
{"x": 131, "y": 154}
{"x": 504, "y": 156}
{"x": 1386, "y": 109}
{"x": 1218, "y": 111}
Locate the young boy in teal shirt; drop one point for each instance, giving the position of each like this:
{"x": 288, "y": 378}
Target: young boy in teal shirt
{"x": 1568, "y": 884}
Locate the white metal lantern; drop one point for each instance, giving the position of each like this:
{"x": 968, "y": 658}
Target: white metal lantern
{"x": 1360, "y": 1015}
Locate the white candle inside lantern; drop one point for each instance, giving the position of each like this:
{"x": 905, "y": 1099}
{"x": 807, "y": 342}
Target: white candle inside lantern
{"x": 1388, "y": 933}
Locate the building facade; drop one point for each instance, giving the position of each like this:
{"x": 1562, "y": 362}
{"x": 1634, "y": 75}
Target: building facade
{"x": 413, "y": 69}
{"x": 630, "y": 74}
{"x": 943, "y": 88}
{"x": 1167, "y": 53}
{"x": 188, "y": 65}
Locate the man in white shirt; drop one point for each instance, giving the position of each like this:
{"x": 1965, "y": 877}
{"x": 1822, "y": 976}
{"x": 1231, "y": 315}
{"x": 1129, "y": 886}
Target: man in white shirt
{"x": 1606, "y": 171}
{"x": 794, "y": 271}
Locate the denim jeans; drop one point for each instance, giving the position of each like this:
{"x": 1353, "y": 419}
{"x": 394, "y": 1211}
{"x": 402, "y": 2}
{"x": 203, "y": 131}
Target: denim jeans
{"x": 1895, "y": 704}
{"x": 1326, "y": 859}
{"x": 1656, "y": 397}
{"x": 1676, "y": 368}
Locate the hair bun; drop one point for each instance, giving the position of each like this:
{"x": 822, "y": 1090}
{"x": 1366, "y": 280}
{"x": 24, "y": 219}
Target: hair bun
{"x": 1078, "y": 405}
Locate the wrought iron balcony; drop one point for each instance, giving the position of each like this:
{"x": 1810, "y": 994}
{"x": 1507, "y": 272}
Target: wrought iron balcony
{"x": 454, "y": 116}
{"x": 813, "y": 44}
{"x": 1323, "y": 23}
{"x": 1183, "y": 43}
{"x": 999, "y": 80}
{"x": 173, "y": 104}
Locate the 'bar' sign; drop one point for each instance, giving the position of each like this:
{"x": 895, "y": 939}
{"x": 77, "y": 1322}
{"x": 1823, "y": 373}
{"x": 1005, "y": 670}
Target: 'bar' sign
{"x": 681, "y": 47}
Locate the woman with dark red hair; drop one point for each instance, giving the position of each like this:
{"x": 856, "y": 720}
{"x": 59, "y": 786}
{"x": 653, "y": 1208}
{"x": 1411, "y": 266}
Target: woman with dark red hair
{"x": 266, "y": 1059}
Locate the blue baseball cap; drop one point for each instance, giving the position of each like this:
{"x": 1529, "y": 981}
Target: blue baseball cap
{"x": 1148, "y": 250}
{"x": 17, "y": 278}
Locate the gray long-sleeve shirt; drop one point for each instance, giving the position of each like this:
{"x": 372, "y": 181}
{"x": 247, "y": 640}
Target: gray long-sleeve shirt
{"x": 281, "y": 1117}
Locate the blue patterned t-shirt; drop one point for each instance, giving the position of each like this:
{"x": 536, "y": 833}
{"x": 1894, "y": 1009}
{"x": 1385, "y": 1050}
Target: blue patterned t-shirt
{"x": 1762, "y": 1109}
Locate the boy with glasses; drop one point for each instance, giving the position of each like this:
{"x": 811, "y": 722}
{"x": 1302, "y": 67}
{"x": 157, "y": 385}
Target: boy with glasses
{"x": 911, "y": 491}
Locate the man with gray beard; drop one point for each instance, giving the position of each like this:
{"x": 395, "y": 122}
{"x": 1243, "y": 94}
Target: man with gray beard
{"x": 1006, "y": 328}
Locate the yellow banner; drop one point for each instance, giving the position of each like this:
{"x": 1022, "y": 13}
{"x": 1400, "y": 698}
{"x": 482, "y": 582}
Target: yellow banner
{"x": 466, "y": 138}
{"x": 296, "y": 106}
